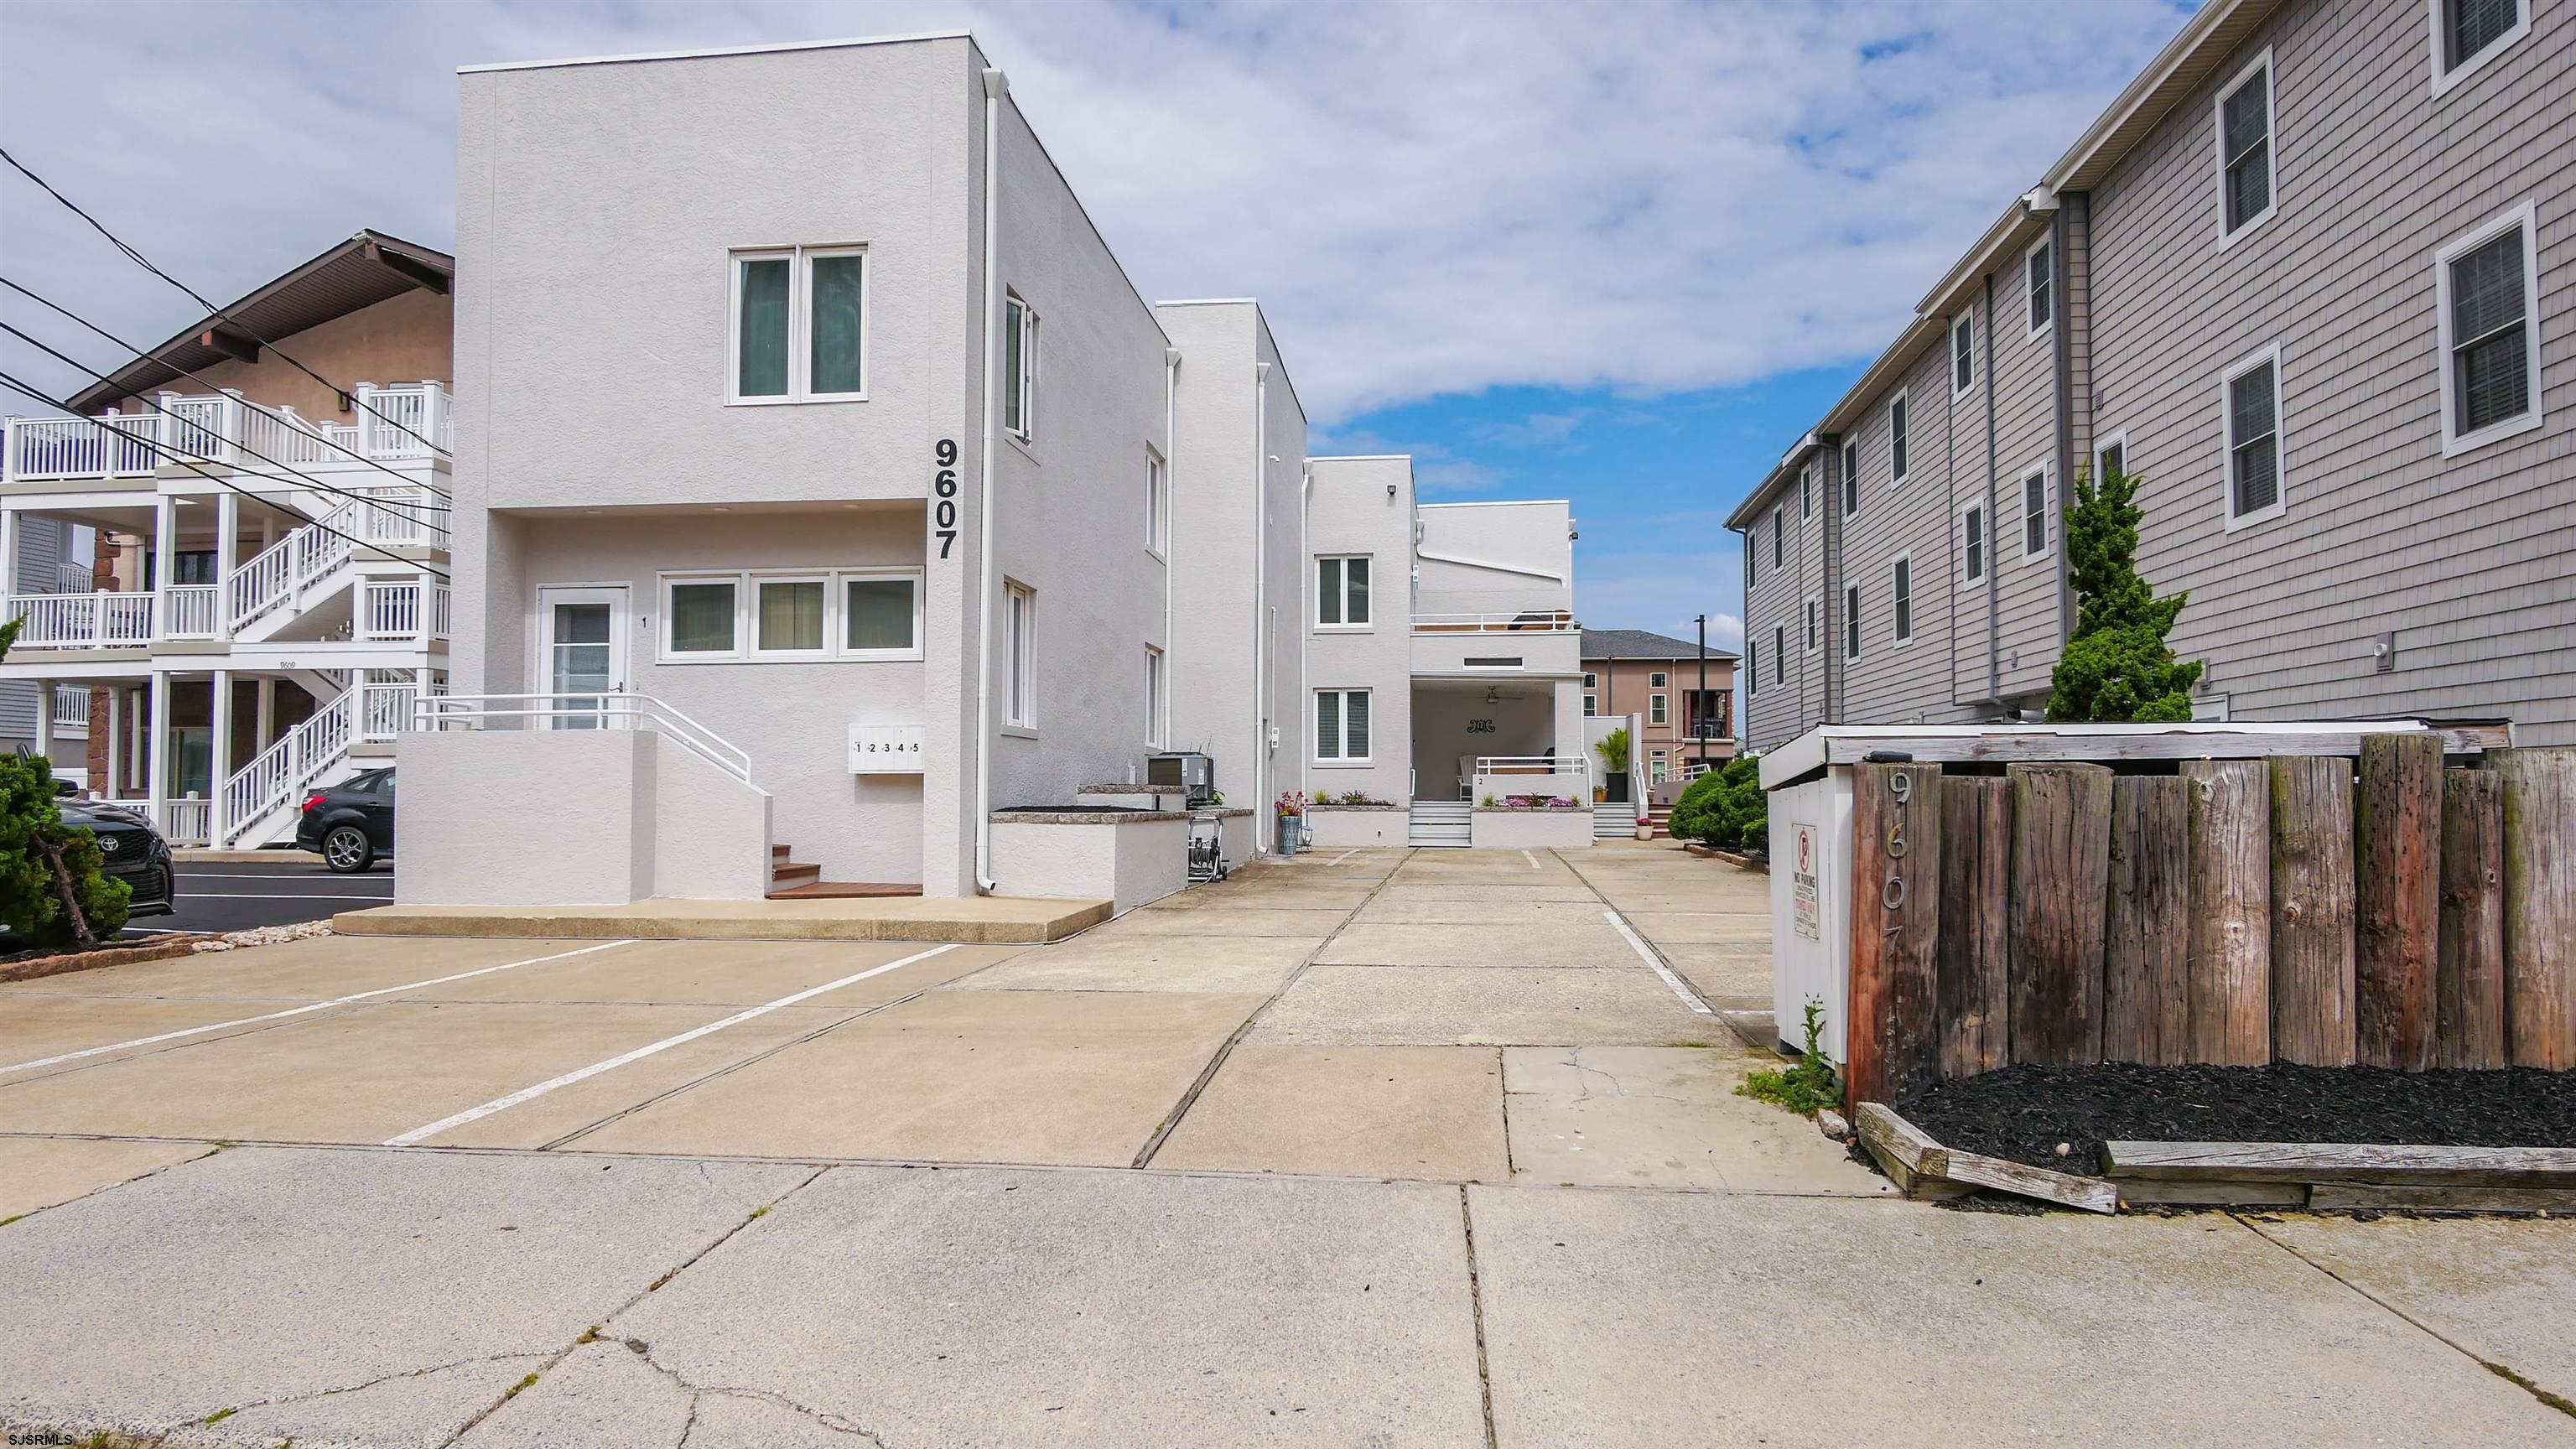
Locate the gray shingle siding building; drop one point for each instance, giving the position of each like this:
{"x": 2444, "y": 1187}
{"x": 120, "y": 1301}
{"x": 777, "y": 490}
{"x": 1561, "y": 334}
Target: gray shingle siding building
{"x": 2312, "y": 279}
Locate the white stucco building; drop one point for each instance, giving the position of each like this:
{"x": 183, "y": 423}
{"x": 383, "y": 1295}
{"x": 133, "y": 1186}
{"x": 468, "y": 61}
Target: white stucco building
{"x": 827, "y": 437}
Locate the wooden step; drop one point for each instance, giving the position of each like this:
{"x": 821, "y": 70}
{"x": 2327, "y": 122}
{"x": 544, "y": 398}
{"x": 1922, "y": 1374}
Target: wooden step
{"x": 845, "y": 890}
{"x": 777, "y": 852}
{"x": 784, "y": 874}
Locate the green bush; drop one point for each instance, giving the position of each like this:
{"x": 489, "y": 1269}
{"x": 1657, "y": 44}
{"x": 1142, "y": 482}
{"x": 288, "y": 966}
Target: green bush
{"x": 1725, "y": 807}
{"x": 32, "y": 837}
{"x": 2116, "y": 668}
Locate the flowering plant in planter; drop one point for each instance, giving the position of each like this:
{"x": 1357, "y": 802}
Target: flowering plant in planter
{"x": 1538, "y": 802}
{"x": 1292, "y": 802}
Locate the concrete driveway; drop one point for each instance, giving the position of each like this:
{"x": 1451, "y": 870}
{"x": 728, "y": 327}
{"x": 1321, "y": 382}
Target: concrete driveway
{"x": 1374, "y": 1148}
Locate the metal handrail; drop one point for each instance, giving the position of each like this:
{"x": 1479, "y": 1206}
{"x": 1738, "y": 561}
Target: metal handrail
{"x": 1525, "y": 621}
{"x": 608, "y": 709}
{"x": 1531, "y": 765}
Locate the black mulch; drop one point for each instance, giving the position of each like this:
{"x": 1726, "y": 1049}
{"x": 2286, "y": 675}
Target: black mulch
{"x": 2022, "y": 1113}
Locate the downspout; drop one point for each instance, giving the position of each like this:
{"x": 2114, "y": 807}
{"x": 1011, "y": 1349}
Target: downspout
{"x": 1262, "y": 641}
{"x": 995, "y": 87}
{"x": 1171, "y": 535}
{"x": 2061, "y": 231}
{"x": 1994, "y": 554}
{"x": 1305, "y": 533}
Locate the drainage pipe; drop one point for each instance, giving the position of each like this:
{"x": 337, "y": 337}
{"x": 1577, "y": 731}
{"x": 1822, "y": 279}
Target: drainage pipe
{"x": 1263, "y": 640}
{"x": 1171, "y": 536}
{"x": 995, "y": 87}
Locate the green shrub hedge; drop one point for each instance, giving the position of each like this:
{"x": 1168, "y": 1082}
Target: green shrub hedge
{"x": 1725, "y": 807}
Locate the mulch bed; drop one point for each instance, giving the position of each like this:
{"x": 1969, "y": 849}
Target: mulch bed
{"x": 2022, "y": 1113}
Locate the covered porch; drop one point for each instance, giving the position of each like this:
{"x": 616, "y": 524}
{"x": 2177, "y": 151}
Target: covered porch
{"x": 1481, "y": 737}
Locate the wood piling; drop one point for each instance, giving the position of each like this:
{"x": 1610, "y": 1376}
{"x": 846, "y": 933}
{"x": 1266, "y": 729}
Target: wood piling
{"x": 2061, "y": 864}
{"x": 2539, "y": 905}
{"x": 1890, "y": 1036}
{"x": 2146, "y": 1000}
{"x": 2230, "y": 829}
{"x": 2397, "y": 889}
{"x": 2470, "y": 990}
{"x": 2312, "y": 911}
{"x": 1972, "y": 991}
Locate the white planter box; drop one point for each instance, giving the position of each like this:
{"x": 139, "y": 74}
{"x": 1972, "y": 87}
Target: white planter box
{"x": 1351, "y": 827}
{"x": 1531, "y": 829}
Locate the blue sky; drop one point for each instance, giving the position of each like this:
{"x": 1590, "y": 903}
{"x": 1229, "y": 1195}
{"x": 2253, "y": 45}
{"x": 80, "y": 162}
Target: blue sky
{"x": 1621, "y": 252}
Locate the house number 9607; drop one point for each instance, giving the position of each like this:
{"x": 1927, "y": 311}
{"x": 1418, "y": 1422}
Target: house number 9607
{"x": 943, "y": 485}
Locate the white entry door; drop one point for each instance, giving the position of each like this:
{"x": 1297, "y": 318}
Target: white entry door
{"x": 581, "y": 645}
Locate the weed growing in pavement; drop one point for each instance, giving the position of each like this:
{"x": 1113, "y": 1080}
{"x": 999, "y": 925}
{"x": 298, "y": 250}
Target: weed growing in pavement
{"x": 1805, "y": 1085}
{"x": 219, "y": 1415}
{"x": 515, "y": 1389}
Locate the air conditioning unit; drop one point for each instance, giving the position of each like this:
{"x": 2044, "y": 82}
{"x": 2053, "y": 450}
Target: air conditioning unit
{"x": 1187, "y": 770}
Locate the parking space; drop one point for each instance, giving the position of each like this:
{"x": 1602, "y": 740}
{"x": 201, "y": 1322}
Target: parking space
{"x": 236, "y": 895}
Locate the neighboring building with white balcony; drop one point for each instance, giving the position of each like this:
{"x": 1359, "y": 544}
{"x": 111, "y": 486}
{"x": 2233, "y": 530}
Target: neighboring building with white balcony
{"x": 269, "y": 593}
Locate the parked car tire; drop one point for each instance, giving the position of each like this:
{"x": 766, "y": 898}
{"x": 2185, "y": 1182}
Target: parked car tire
{"x": 347, "y": 850}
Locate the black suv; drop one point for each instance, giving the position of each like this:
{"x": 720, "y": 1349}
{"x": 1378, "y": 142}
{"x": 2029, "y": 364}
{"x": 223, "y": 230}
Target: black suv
{"x": 350, "y": 823}
{"x": 131, "y": 850}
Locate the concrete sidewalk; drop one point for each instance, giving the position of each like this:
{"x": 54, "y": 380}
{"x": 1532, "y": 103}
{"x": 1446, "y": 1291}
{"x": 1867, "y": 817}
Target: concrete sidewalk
{"x": 983, "y": 919}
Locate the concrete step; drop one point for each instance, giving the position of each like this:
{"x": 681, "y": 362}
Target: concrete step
{"x": 846, "y": 890}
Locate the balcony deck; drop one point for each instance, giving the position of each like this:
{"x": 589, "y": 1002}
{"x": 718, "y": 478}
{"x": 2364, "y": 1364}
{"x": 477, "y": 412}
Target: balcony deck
{"x": 407, "y": 424}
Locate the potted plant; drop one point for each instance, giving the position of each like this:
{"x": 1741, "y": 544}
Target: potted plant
{"x": 1613, "y": 748}
{"x": 1292, "y": 821}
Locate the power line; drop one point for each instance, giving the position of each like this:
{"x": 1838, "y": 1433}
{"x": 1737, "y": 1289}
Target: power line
{"x": 146, "y": 263}
{"x": 30, "y": 295}
{"x": 16, "y": 385}
{"x": 387, "y": 504}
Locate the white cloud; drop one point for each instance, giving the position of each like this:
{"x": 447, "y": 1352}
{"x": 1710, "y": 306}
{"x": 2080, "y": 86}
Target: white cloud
{"x": 1645, "y": 194}
{"x": 1649, "y": 591}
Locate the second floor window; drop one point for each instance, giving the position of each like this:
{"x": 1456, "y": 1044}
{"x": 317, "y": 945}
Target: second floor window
{"x": 1020, "y": 613}
{"x": 1811, "y": 626}
{"x": 1902, "y": 595}
{"x": 2245, "y": 148}
{"x": 1963, "y": 356}
{"x": 2491, "y": 352}
{"x": 1896, "y": 440}
{"x": 1972, "y": 525}
{"x": 799, "y": 324}
{"x": 1851, "y": 478}
{"x": 1341, "y": 592}
{"x": 1158, "y": 503}
{"x": 1779, "y": 653}
{"x": 1807, "y": 492}
{"x": 1656, "y": 711}
{"x": 2040, "y": 272}
{"x": 1851, "y": 621}
{"x": 1657, "y": 680}
{"x": 1019, "y": 369}
{"x": 2254, "y": 439}
{"x": 2034, "y": 514}
{"x": 2467, "y": 31}
{"x": 1779, "y": 534}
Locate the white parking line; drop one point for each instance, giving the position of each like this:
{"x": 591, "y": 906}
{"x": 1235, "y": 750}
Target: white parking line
{"x": 1532, "y": 859}
{"x": 143, "y": 1041}
{"x": 524, "y": 1094}
{"x": 1345, "y": 855}
{"x": 277, "y": 896}
{"x": 1689, "y": 997}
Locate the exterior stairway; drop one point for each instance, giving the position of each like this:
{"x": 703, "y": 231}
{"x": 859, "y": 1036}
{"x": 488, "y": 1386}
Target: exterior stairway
{"x": 1613, "y": 820}
{"x": 1441, "y": 824}
{"x": 262, "y": 799}
{"x": 795, "y": 880}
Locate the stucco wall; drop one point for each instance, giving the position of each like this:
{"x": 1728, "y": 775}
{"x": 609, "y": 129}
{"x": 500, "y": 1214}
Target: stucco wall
{"x": 1350, "y": 829}
{"x": 1531, "y": 830}
{"x": 1350, "y": 511}
{"x": 711, "y": 832}
{"x": 1128, "y": 863}
{"x": 1531, "y": 538}
{"x": 583, "y": 852}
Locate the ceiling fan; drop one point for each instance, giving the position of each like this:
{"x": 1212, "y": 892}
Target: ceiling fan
{"x": 1494, "y": 695}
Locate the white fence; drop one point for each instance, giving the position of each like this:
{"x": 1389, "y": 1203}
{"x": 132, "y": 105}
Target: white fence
{"x": 82, "y": 621}
{"x": 389, "y": 424}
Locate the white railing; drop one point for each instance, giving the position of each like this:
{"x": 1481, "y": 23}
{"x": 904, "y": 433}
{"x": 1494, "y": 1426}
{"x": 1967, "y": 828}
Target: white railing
{"x": 181, "y": 822}
{"x": 385, "y": 710}
{"x": 286, "y": 767}
{"x": 607, "y": 711}
{"x": 389, "y": 610}
{"x": 83, "y": 621}
{"x": 1527, "y": 621}
{"x": 389, "y": 424}
{"x": 74, "y": 578}
{"x": 1530, "y": 765}
{"x": 192, "y": 612}
{"x": 71, "y": 708}
{"x": 276, "y": 573}
{"x": 442, "y": 612}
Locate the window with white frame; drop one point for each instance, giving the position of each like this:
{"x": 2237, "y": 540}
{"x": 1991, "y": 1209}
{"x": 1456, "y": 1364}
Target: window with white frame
{"x": 2469, "y": 33}
{"x": 1657, "y": 769}
{"x": 799, "y": 324}
{"x": 761, "y": 615}
{"x": 1655, "y": 710}
{"x": 1851, "y": 621}
{"x": 1813, "y": 608}
{"x": 1806, "y": 492}
{"x": 1898, "y": 435}
{"x": 1158, "y": 504}
{"x": 2111, "y": 457}
{"x": 1901, "y": 595}
{"x": 1020, "y": 618}
{"x": 2039, "y": 277}
{"x": 1591, "y": 701}
{"x": 1752, "y": 670}
{"x": 2035, "y": 532}
{"x": 1019, "y": 368}
{"x": 1342, "y": 591}
{"x": 1972, "y": 541}
{"x": 1851, "y": 477}
{"x": 2485, "y": 283}
{"x": 1779, "y": 534}
{"x": 2245, "y": 148}
{"x": 1342, "y": 725}
{"x": 2251, "y": 397}
{"x": 1753, "y": 554}
{"x": 1157, "y": 711}
{"x": 1591, "y": 705}
{"x": 1779, "y": 653}
{"x": 1657, "y": 680}
{"x": 1963, "y": 355}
